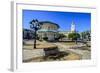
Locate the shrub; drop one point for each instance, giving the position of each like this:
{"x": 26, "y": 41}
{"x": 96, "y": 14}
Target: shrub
{"x": 45, "y": 38}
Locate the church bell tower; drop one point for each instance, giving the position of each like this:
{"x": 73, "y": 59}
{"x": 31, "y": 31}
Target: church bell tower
{"x": 73, "y": 29}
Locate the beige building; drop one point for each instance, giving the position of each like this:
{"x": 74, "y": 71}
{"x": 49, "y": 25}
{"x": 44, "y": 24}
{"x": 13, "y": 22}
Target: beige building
{"x": 49, "y": 30}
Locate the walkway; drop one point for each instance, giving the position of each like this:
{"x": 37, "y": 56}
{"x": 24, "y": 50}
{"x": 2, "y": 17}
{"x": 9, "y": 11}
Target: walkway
{"x": 84, "y": 53}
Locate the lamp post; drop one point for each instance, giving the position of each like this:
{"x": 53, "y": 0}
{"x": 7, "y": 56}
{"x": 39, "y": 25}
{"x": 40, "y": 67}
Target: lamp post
{"x": 36, "y": 26}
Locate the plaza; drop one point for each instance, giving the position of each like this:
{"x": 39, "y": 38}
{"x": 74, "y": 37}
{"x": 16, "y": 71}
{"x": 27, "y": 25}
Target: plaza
{"x": 76, "y": 52}
{"x": 56, "y": 36}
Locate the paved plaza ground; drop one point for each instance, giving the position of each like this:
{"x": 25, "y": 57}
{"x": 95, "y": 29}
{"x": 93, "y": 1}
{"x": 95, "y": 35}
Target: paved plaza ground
{"x": 76, "y": 51}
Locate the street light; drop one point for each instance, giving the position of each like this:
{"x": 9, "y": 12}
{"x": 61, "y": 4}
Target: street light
{"x": 36, "y": 26}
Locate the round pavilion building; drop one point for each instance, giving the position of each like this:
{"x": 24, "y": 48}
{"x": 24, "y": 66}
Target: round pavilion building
{"x": 49, "y": 30}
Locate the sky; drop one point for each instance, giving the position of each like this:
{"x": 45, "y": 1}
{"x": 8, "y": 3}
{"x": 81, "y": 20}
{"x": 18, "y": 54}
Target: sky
{"x": 82, "y": 21}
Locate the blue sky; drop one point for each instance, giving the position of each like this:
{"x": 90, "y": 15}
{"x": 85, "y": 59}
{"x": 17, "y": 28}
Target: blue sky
{"x": 63, "y": 19}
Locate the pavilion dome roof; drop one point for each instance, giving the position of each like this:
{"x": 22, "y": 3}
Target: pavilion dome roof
{"x": 43, "y": 22}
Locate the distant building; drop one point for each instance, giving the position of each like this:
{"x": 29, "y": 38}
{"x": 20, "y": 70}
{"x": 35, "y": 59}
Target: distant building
{"x": 28, "y": 34}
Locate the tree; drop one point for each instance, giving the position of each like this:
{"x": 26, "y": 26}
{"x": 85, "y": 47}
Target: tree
{"x": 61, "y": 36}
{"x": 74, "y": 36}
{"x": 86, "y": 35}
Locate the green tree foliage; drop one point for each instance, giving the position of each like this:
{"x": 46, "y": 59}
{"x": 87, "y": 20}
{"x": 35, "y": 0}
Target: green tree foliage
{"x": 74, "y": 36}
{"x": 86, "y": 35}
{"x": 61, "y": 36}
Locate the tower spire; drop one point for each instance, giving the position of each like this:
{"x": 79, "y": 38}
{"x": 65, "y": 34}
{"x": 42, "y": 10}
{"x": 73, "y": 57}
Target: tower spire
{"x": 73, "y": 27}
